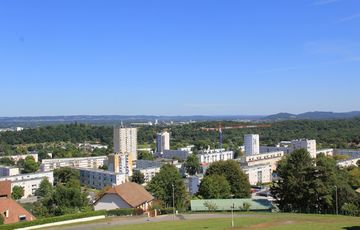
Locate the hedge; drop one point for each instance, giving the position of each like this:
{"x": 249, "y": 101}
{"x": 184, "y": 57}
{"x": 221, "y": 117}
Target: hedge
{"x": 165, "y": 211}
{"x": 52, "y": 220}
{"x": 121, "y": 212}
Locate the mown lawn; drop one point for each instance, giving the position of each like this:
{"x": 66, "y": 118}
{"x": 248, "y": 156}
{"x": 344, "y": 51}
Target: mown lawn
{"x": 260, "y": 221}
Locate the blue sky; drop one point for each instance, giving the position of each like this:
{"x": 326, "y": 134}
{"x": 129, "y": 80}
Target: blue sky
{"x": 178, "y": 57}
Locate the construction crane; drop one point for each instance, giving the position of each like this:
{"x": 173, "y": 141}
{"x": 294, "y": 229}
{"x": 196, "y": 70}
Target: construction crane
{"x": 221, "y": 128}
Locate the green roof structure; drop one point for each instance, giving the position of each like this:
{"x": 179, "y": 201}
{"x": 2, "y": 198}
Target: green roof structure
{"x": 226, "y": 204}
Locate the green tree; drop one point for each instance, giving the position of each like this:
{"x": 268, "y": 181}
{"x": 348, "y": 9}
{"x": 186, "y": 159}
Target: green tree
{"x": 138, "y": 177}
{"x": 192, "y": 164}
{"x": 237, "y": 179}
{"x": 211, "y": 206}
{"x": 291, "y": 191}
{"x": 30, "y": 165}
{"x": 66, "y": 174}
{"x": 162, "y": 185}
{"x": 214, "y": 187}
{"x": 17, "y": 192}
{"x": 7, "y": 161}
{"x": 143, "y": 155}
{"x": 45, "y": 189}
{"x": 1, "y": 219}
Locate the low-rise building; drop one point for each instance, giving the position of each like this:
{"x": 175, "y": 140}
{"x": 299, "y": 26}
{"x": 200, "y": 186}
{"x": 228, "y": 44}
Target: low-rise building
{"x": 96, "y": 178}
{"x": 258, "y": 174}
{"x": 13, "y": 212}
{"x": 9, "y": 171}
{"x": 148, "y": 168}
{"x": 211, "y": 156}
{"x": 348, "y": 162}
{"x": 30, "y": 182}
{"x": 174, "y": 154}
{"x": 127, "y": 195}
{"x": 77, "y": 162}
{"x": 271, "y": 158}
{"x": 16, "y": 158}
{"x": 326, "y": 152}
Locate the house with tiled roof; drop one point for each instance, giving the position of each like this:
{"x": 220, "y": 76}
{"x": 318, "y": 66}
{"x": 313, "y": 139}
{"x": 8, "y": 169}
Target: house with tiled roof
{"x": 127, "y": 195}
{"x": 13, "y": 212}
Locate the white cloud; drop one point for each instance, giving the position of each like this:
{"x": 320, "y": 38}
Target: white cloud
{"x": 349, "y": 18}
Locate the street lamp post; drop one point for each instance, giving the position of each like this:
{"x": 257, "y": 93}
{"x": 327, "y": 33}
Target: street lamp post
{"x": 336, "y": 200}
{"x": 173, "y": 200}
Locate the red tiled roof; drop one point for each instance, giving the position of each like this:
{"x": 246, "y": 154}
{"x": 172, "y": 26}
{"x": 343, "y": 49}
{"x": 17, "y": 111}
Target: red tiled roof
{"x": 5, "y": 189}
{"x": 14, "y": 210}
{"x": 132, "y": 193}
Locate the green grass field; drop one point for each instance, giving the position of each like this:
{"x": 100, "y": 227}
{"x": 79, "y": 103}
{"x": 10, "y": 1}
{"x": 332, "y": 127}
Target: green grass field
{"x": 258, "y": 221}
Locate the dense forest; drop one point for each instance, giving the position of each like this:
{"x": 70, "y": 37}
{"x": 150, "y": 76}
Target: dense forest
{"x": 328, "y": 133}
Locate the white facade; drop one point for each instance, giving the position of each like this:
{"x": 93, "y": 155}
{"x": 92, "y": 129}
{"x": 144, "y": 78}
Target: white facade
{"x": 271, "y": 158}
{"x": 30, "y": 182}
{"x": 258, "y": 174}
{"x": 252, "y": 143}
{"x": 162, "y": 142}
{"x": 77, "y": 162}
{"x": 95, "y": 178}
{"x": 9, "y": 171}
{"x": 210, "y": 156}
{"x": 110, "y": 202}
{"x": 348, "y": 162}
{"x": 309, "y": 145}
{"x": 149, "y": 173}
{"x": 326, "y": 152}
{"x": 125, "y": 141}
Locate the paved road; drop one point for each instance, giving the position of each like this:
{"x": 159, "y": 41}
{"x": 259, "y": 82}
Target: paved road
{"x": 140, "y": 220}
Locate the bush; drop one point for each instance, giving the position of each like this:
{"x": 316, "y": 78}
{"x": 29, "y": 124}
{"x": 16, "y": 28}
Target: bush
{"x": 1, "y": 219}
{"x": 164, "y": 211}
{"x": 52, "y": 220}
{"x": 121, "y": 212}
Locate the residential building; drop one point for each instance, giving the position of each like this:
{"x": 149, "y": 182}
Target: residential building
{"x": 192, "y": 184}
{"x": 98, "y": 179}
{"x": 8, "y": 171}
{"x": 127, "y": 195}
{"x": 252, "y": 143}
{"x": 352, "y": 161}
{"x": 30, "y": 182}
{"x": 271, "y": 158}
{"x": 13, "y": 212}
{"x": 258, "y": 174}
{"x": 16, "y": 158}
{"x": 211, "y": 156}
{"x": 5, "y": 188}
{"x": 149, "y": 173}
{"x": 77, "y": 162}
{"x": 326, "y": 152}
{"x": 125, "y": 141}
{"x": 121, "y": 163}
{"x": 174, "y": 154}
{"x": 309, "y": 145}
{"x": 148, "y": 168}
{"x": 162, "y": 142}
{"x": 269, "y": 149}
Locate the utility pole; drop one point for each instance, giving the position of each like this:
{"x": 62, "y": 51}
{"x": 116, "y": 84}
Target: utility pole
{"x": 232, "y": 215}
{"x": 336, "y": 200}
{"x": 173, "y": 196}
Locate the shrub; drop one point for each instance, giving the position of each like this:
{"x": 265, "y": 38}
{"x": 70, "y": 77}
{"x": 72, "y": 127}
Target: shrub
{"x": 121, "y": 212}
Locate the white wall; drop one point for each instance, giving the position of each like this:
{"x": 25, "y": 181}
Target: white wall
{"x": 110, "y": 202}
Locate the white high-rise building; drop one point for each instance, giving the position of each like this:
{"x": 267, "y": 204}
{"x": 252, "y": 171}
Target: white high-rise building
{"x": 162, "y": 141}
{"x": 252, "y": 145}
{"x": 309, "y": 145}
{"x": 125, "y": 141}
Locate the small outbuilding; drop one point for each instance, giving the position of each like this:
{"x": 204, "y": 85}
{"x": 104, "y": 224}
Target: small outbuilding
{"x": 127, "y": 195}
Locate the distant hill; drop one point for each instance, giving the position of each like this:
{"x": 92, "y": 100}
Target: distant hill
{"x": 317, "y": 115}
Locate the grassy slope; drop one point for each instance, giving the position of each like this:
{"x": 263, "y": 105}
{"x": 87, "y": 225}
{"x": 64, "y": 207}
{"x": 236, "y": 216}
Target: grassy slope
{"x": 271, "y": 221}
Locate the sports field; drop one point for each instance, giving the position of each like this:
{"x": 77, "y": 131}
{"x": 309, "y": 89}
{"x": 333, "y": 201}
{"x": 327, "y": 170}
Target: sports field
{"x": 256, "y": 221}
